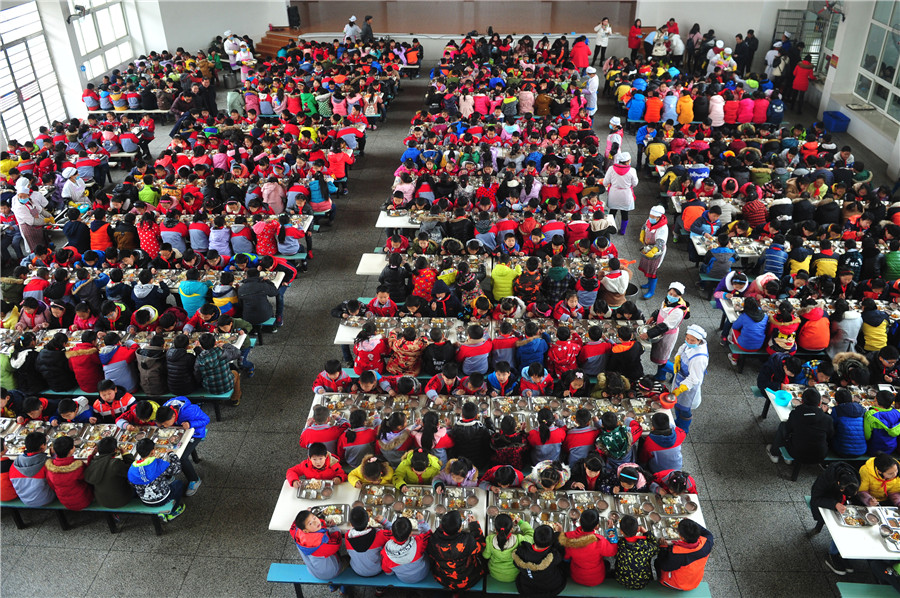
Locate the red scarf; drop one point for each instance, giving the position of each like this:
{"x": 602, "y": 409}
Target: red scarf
{"x": 659, "y": 223}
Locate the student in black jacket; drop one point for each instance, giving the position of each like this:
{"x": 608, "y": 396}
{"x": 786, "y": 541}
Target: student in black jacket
{"x": 437, "y": 353}
{"x": 833, "y": 490}
{"x": 471, "y": 439}
{"x": 806, "y": 433}
{"x": 540, "y": 564}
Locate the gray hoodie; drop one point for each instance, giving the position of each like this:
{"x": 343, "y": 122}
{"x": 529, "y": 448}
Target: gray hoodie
{"x": 29, "y": 478}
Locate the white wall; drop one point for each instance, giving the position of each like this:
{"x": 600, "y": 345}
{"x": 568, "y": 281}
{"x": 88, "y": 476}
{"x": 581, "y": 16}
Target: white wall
{"x": 64, "y": 54}
{"x": 192, "y": 24}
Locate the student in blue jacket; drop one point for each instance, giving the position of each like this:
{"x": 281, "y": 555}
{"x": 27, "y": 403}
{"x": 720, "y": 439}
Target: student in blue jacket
{"x": 181, "y": 412}
{"x": 849, "y": 425}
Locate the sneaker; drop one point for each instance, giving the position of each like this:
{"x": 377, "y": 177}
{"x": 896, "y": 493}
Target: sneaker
{"x": 167, "y": 517}
{"x": 732, "y": 358}
{"x": 250, "y": 370}
{"x": 193, "y": 487}
{"x": 836, "y": 568}
{"x": 772, "y": 458}
{"x": 279, "y": 321}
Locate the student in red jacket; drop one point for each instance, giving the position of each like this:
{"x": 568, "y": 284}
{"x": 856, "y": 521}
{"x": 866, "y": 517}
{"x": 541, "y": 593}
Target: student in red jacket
{"x": 358, "y": 439}
{"x": 682, "y": 565}
{"x": 446, "y": 383}
{"x": 66, "y": 476}
{"x": 320, "y": 465}
{"x": 113, "y": 402}
{"x": 535, "y": 381}
{"x": 320, "y": 428}
{"x": 546, "y": 441}
{"x": 332, "y": 379}
{"x": 370, "y": 350}
{"x": 563, "y": 354}
{"x": 585, "y": 549}
{"x": 568, "y": 308}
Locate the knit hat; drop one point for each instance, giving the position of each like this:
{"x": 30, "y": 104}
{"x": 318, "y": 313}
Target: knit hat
{"x": 696, "y": 331}
{"x": 678, "y": 287}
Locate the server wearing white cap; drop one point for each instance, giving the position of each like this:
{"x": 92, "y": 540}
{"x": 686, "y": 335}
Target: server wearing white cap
{"x": 653, "y": 239}
{"x": 691, "y": 363}
{"x": 590, "y": 90}
{"x": 352, "y": 30}
{"x": 28, "y": 207}
{"x": 664, "y": 326}
{"x": 620, "y": 181}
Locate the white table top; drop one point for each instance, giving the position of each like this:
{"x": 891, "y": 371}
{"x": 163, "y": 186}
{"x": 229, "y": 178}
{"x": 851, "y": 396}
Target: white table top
{"x": 289, "y": 505}
{"x": 728, "y": 308}
{"x": 857, "y": 543}
{"x": 371, "y": 264}
{"x": 781, "y": 412}
{"x": 385, "y": 221}
{"x": 345, "y": 335}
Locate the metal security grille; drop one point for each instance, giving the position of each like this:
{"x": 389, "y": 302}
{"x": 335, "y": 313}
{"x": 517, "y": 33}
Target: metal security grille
{"x": 804, "y": 26}
{"x": 29, "y": 90}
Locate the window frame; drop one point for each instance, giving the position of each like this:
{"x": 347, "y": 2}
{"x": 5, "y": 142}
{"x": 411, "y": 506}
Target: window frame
{"x": 875, "y": 79}
{"x": 99, "y": 53}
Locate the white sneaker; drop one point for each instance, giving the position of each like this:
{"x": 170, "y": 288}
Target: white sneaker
{"x": 192, "y": 488}
{"x": 772, "y": 457}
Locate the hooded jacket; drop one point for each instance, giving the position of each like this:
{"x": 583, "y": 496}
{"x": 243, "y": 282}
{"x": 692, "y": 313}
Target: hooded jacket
{"x": 150, "y": 294}
{"x": 305, "y": 470}
{"x": 456, "y": 557}
{"x": 540, "y": 571}
{"x": 28, "y": 378}
{"x": 66, "y": 478}
{"x": 633, "y": 559}
{"x": 874, "y": 329}
{"x": 55, "y": 369}
{"x": 29, "y": 477}
{"x": 662, "y": 451}
{"x": 254, "y": 295}
{"x": 825, "y": 492}
{"x": 404, "y": 473}
{"x": 151, "y": 366}
{"x": 881, "y": 428}
{"x": 364, "y": 549}
{"x": 470, "y": 440}
{"x": 180, "y": 371}
{"x": 152, "y": 478}
{"x": 109, "y": 478}
{"x": 809, "y": 430}
{"x": 407, "y": 559}
{"x": 119, "y": 365}
{"x": 815, "y": 330}
{"x": 849, "y": 429}
{"x": 752, "y": 330}
{"x": 682, "y": 565}
{"x": 871, "y": 485}
{"x": 445, "y": 479}
{"x": 585, "y": 551}
{"x": 189, "y": 413}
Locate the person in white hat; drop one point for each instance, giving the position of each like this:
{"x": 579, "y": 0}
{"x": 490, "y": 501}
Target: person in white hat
{"x": 614, "y": 139}
{"x": 73, "y": 188}
{"x": 770, "y": 58}
{"x": 591, "y": 90}
{"x": 653, "y": 238}
{"x": 352, "y": 31}
{"x": 664, "y": 327}
{"x": 691, "y": 363}
{"x": 231, "y": 45}
{"x": 620, "y": 181}
{"x": 245, "y": 59}
{"x": 28, "y": 207}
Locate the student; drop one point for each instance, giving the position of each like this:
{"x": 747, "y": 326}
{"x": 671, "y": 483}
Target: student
{"x": 470, "y": 436}
{"x": 833, "y": 490}
{"x": 151, "y": 367}
{"x": 587, "y": 473}
{"x": 76, "y": 410}
{"x": 7, "y": 492}
{"x": 29, "y": 476}
{"x": 882, "y": 424}
{"x": 879, "y": 484}
{"x": 403, "y": 554}
{"x": 628, "y": 477}
{"x": 586, "y": 547}
{"x": 394, "y": 438}
{"x": 213, "y": 369}
{"x": 509, "y": 444}
{"x": 625, "y": 357}
{"x": 615, "y": 440}
{"x": 52, "y": 365}
{"x": 455, "y": 553}
{"x": 23, "y": 359}
{"x": 681, "y": 566}
{"x": 113, "y": 401}
{"x": 372, "y": 470}
{"x": 546, "y": 475}
{"x": 457, "y": 472}
{"x": 661, "y": 449}
{"x": 417, "y": 467}
{"x": 358, "y": 439}
{"x": 806, "y": 433}
{"x": 634, "y": 555}
{"x": 154, "y": 479}
{"x": 540, "y": 564}
{"x": 107, "y": 473}
{"x": 547, "y": 440}
{"x": 849, "y": 425}
{"x": 180, "y": 412}
{"x": 364, "y": 543}
{"x": 65, "y": 476}
{"x": 321, "y": 429}
{"x": 318, "y": 545}
{"x": 673, "y": 482}
{"x": 180, "y": 364}
{"x": 118, "y": 361}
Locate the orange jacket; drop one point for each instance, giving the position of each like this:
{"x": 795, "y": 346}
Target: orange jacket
{"x": 683, "y": 566}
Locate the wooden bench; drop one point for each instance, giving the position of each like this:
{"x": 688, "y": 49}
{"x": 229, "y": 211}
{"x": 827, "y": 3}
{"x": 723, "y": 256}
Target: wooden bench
{"x": 198, "y": 396}
{"x": 135, "y": 507}
{"x": 300, "y": 576}
{"x": 830, "y": 457}
{"x": 608, "y": 589}
{"x": 865, "y": 590}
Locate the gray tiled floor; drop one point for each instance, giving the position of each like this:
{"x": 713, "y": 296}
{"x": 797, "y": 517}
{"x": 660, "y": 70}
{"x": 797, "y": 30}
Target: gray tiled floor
{"x": 221, "y": 546}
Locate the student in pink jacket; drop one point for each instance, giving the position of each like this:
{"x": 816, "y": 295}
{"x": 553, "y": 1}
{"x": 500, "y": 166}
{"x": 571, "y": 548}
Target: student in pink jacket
{"x": 273, "y": 195}
{"x": 745, "y": 109}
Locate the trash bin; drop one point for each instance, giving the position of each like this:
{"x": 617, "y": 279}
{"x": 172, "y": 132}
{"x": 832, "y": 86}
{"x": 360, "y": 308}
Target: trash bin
{"x": 836, "y": 122}
{"x": 230, "y": 80}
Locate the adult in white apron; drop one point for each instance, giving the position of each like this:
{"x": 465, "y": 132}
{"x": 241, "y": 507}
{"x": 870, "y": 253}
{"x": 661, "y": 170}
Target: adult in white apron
{"x": 620, "y": 181}
{"x": 664, "y": 326}
{"x": 691, "y": 363}
{"x": 654, "y": 234}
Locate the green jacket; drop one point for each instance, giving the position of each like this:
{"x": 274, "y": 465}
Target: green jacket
{"x": 503, "y": 277}
{"x": 500, "y": 560}
{"x": 891, "y": 265}
{"x": 405, "y": 475}
{"x": 6, "y": 373}
{"x": 149, "y": 195}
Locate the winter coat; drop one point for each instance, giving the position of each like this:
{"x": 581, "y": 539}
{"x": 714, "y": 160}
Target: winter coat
{"x": 682, "y": 565}
{"x": 152, "y": 478}
{"x": 470, "y": 440}
{"x": 633, "y": 558}
{"x": 815, "y": 330}
{"x": 29, "y": 477}
{"x": 407, "y": 560}
{"x": 55, "y": 369}
{"x": 881, "y": 426}
{"x": 109, "y": 478}
{"x": 662, "y": 451}
{"x": 803, "y": 74}
{"x": 871, "y": 485}
{"x": 825, "y": 492}
{"x": 254, "y": 294}
{"x": 404, "y": 473}
{"x": 180, "y": 371}
{"x": 28, "y": 378}
{"x": 752, "y": 330}
{"x": 119, "y": 365}
{"x": 809, "y": 430}
{"x": 585, "y": 551}
{"x": 151, "y": 366}
{"x": 66, "y": 478}
{"x": 445, "y": 479}
{"x": 456, "y": 558}
{"x": 364, "y": 549}
{"x": 541, "y": 572}
{"x": 84, "y": 359}
{"x": 849, "y": 429}
{"x": 500, "y": 560}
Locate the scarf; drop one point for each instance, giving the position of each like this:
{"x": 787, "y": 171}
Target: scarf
{"x": 659, "y": 224}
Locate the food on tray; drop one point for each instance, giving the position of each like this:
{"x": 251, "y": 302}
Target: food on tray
{"x": 854, "y": 521}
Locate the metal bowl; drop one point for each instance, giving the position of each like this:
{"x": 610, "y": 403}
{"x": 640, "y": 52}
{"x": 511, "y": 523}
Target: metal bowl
{"x": 690, "y": 507}
{"x": 602, "y": 506}
{"x": 472, "y": 500}
{"x": 440, "y": 509}
{"x": 387, "y": 499}
{"x": 885, "y": 531}
{"x": 427, "y": 500}
{"x": 654, "y": 517}
{"x": 872, "y": 518}
{"x": 493, "y": 511}
{"x": 399, "y": 506}
{"x": 647, "y": 507}
{"x": 327, "y": 492}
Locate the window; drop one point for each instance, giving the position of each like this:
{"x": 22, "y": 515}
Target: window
{"x": 102, "y": 35}
{"x": 878, "y": 81}
{"x": 29, "y": 91}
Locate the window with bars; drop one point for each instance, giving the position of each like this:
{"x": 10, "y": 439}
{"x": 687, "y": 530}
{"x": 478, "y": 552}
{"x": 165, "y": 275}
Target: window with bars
{"x": 878, "y": 74}
{"x": 102, "y": 36}
{"x": 29, "y": 90}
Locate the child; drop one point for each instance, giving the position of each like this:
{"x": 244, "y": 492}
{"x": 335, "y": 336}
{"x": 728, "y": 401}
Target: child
{"x": 547, "y": 440}
{"x": 456, "y": 554}
{"x": 634, "y": 554}
{"x": 65, "y": 476}
{"x": 394, "y": 438}
{"x": 108, "y": 475}
{"x": 320, "y": 429}
{"x": 28, "y": 474}
{"x": 433, "y": 437}
{"x": 332, "y": 379}
{"x": 563, "y": 354}
{"x": 502, "y": 544}
{"x": 587, "y": 473}
{"x": 404, "y": 554}
{"x": 457, "y": 472}
{"x": 720, "y": 258}
{"x": 509, "y": 445}
{"x": 547, "y": 475}
{"x": 501, "y": 476}
{"x": 882, "y": 424}
{"x": 661, "y": 449}
{"x": 318, "y": 545}
{"x": 154, "y": 479}
{"x": 372, "y": 470}
{"x": 470, "y": 436}
{"x": 358, "y": 439}
{"x": 417, "y": 467}
{"x": 579, "y": 441}
{"x": 586, "y": 548}
{"x": 364, "y": 543}
{"x": 849, "y": 425}
{"x": 617, "y": 440}
{"x": 34, "y": 409}
{"x": 320, "y": 465}
{"x": 681, "y": 566}
{"x": 76, "y": 410}
{"x": 119, "y": 361}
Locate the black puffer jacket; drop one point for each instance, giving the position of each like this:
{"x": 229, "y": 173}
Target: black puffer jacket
{"x": 540, "y": 572}
{"x": 53, "y": 366}
{"x": 825, "y": 492}
{"x": 180, "y": 371}
{"x": 151, "y": 365}
{"x": 254, "y": 294}
{"x": 25, "y": 372}
{"x": 471, "y": 439}
{"x": 397, "y": 280}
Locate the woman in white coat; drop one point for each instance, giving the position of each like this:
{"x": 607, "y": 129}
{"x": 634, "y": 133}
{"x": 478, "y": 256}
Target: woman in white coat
{"x": 601, "y": 42}
{"x": 691, "y": 364}
{"x": 620, "y": 181}
{"x": 246, "y": 60}
{"x": 28, "y": 207}
{"x": 74, "y": 187}
{"x": 665, "y": 324}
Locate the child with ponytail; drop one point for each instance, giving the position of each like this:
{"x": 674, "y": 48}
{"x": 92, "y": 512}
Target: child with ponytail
{"x": 501, "y": 545}
{"x": 547, "y": 440}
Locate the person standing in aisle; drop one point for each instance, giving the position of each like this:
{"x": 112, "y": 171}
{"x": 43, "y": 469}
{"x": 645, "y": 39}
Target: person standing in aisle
{"x": 665, "y": 323}
{"x": 620, "y": 180}
{"x": 590, "y": 91}
{"x": 601, "y": 42}
{"x": 653, "y": 239}
{"x": 691, "y": 364}
{"x": 367, "y": 36}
